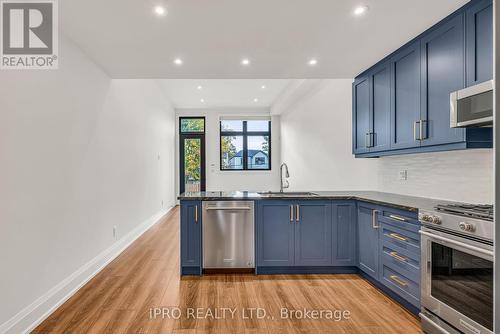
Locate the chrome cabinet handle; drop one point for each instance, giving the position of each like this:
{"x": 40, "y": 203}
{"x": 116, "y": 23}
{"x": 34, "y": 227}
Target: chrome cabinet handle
{"x": 453, "y": 107}
{"x": 291, "y": 213}
{"x": 369, "y": 139}
{"x": 422, "y": 121}
{"x": 374, "y": 219}
{"x": 415, "y": 130}
{"x": 398, "y": 280}
{"x": 196, "y": 214}
{"x": 397, "y": 236}
{"x": 228, "y": 208}
{"x": 398, "y": 257}
{"x": 397, "y": 218}
{"x": 298, "y": 213}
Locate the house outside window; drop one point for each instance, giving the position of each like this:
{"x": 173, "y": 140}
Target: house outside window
{"x": 245, "y": 144}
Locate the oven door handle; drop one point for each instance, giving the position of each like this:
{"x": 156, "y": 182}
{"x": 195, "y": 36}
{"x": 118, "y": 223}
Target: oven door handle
{"x": 457, "y": 243}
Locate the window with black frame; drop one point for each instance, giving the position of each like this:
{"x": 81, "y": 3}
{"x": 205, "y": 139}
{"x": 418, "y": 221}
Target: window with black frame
{"x": 245, "y": 144}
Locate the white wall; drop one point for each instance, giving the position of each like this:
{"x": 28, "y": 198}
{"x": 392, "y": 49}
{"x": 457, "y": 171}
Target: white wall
{"x": 316, "y": 142}
{"x": 217, "y": 180}
{"x": 78, "y": 155}
{"x": 465, "y": 176}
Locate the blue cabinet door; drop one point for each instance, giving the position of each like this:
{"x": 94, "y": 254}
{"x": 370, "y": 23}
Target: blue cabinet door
{"x": 344, "y": 243}
{"x": 275, "y": 233}
{"x": 361, "y": 115}
{"x": 368, "y": 240}
{"x": 191, "y": 234}
{"x": 380, "y": 113}
{"x": 479, "y": 42}
{"x": 313, "y": 233}
{"x": 443, "y": 71}
{"x": 406, "y": 97}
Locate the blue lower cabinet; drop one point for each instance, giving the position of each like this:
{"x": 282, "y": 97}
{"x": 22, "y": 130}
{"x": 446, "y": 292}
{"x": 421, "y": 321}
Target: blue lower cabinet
{"x": 307, "y": 236}
{"x": 402, "y": 285}
{"x": 399, "y": 250}
{"x": 368, "y": 239}
{"x": 275, "y": 233}
{"x": 313, "y": 233}
{"x": 191, "y": 238}
{"x": 344, "y": 243}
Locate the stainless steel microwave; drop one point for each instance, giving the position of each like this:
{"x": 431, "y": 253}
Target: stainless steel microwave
{"x": 472, "y": 106}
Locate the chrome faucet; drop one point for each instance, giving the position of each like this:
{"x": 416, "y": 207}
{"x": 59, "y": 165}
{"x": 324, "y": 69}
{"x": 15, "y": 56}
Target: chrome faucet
{"x": 284, "y": 183}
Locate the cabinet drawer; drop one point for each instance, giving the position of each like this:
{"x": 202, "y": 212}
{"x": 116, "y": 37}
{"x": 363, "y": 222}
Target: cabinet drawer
{"x": 400, "y": 215}
{"x": 402, "y": 264}
{"x": 402, "y": 285}
{"x": 403, "y": 239}
{"x": 401, "y": 219}
{"x": 393, "y": 247}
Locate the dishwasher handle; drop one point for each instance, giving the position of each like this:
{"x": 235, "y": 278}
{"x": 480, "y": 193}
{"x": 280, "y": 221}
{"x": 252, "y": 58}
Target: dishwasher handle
{"x": 228, "y": 208}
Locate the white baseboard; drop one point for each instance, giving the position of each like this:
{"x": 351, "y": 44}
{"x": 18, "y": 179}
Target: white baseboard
{"x": 31, "y": 316}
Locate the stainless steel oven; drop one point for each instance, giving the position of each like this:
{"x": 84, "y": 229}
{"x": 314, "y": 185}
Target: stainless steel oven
{"x": 457, "y": 274}
{"x": 472, "y": 106}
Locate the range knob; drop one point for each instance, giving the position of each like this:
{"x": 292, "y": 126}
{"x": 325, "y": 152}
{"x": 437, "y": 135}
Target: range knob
{"x": 425, "y": 217}
{"x": 468, "y": 227}
{"x": 435, "y": 220}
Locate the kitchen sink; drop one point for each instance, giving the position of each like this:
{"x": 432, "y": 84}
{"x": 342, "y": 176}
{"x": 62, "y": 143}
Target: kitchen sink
{"x": 287, "y": 193}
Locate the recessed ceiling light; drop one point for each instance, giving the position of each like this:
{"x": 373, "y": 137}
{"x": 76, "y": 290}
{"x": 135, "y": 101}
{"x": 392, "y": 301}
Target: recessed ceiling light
{"x": 202, "y": 100}
{"x": 178, "y": 61}
{"x": 256, "y": 100}
{"x": 199, "y": 87}
{"x": 360, "y": 10}
{"x": 160, "y": 11}
{"x": 263, "y": 87}
{"x": 312, "y": 62}
{"x": 245, "y": 62}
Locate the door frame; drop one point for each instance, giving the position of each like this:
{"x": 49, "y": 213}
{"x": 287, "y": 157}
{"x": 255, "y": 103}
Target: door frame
{"x": 192, "y": 135}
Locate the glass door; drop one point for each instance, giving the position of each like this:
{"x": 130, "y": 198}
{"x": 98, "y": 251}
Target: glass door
{"x": 192, "y": 154}
{"x": 464, "y": 282}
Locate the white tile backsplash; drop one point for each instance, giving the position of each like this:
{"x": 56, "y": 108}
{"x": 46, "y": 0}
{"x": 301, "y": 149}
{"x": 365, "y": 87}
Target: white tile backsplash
{"x": 456, "y": 175}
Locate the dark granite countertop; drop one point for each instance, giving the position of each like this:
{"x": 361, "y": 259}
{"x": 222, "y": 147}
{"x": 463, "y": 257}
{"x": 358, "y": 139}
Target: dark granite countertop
{"x": 403, "y": 202}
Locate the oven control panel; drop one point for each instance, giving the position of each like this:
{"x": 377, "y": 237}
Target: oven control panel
{"x": 464, "y": 225}
{"x": 429, "y": 218}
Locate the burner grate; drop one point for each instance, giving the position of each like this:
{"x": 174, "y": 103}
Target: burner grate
{"x": 478, "y": 211}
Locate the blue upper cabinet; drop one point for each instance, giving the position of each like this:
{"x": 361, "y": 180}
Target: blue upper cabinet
{"x": 372, "y": 105}
{"x": 361, "y": 115}
{"x": 380, "y": 115}
{"x": 191, "y": 237}
{"x": 402, "y": 104}
{"x": 313, "y": 233}
{"x": 275, "y": 233}
{"x": 406, "y": 101}
{"x": 479, "y": 41}
{"x": 443, "y": 69}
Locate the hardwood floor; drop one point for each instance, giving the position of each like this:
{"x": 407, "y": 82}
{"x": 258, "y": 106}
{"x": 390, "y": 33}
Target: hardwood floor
{"x": 145, "y": 278}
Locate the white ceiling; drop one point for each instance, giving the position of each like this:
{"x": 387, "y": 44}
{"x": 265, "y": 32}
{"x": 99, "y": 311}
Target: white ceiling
{"x": 223, "y": 93}
{"x": 279, "y": 36}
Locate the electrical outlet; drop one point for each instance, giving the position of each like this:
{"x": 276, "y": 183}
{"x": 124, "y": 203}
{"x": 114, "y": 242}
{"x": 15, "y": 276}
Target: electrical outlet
{"x": 403, "y": 175}
{"x": 162, "y": 203}
{"x": 115, "y": 232}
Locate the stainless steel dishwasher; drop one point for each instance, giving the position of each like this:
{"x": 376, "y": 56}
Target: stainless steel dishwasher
{"x": 228, "y": 234}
